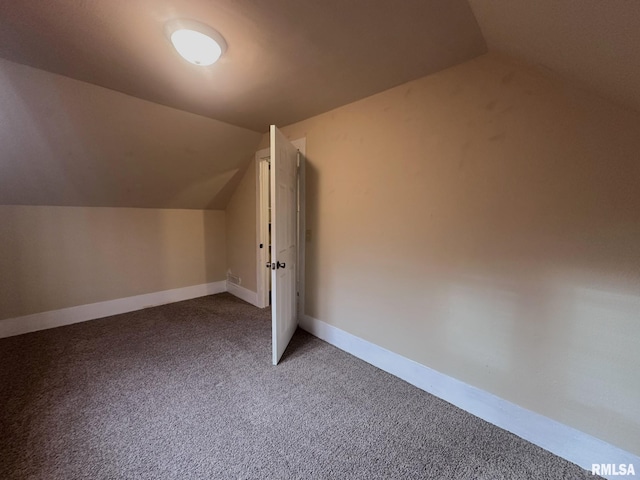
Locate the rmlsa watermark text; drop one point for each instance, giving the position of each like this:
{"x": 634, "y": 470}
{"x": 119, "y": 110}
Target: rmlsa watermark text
{"x": 613, "y": 469}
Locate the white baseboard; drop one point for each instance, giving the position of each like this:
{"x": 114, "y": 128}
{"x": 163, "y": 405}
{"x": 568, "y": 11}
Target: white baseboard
{"x": 242, "y": 293}
{"x": 81, "y": 313}
{"x": 559, "y": 439}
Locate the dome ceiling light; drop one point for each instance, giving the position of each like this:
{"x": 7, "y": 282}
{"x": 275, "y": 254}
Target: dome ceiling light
{"x": 195, "y": 42}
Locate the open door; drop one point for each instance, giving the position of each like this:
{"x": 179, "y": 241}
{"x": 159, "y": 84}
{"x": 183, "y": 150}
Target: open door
{"x": 284, "y": 233}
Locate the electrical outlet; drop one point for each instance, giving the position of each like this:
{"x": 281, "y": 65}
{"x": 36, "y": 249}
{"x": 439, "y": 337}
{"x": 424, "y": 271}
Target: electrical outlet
{"x": 307, "y": 235}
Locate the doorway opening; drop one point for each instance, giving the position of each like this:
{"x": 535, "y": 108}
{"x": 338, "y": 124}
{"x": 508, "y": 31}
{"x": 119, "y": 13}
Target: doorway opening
{"x": 263, "y": 224}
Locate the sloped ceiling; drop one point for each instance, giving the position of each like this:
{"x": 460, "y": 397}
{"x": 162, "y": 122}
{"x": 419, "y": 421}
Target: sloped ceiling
{"x": 287, "y": 59}
{"x": 65, "y": 142}
{"x": 68, "y": 138}
{"x": 594, "y": 43}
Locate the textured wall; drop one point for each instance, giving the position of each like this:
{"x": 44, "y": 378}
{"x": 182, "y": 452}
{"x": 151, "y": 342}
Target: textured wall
{"x": 485, "y": 221}
{"x": 58, "y": 257}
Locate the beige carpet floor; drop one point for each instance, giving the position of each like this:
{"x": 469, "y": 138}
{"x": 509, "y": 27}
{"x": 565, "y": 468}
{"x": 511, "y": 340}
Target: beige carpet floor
{"x": 187, "y": 391}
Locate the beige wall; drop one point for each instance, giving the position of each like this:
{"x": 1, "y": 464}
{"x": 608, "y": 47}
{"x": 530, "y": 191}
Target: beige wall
{"x": 241, "y": 230}
{"x": 485, "y": 221}
{"x": 66, "y": 142}
{"x": 58, "y": 257}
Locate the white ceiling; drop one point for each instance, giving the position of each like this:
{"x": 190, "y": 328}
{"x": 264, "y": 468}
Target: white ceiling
{"x": 594, "y": 43}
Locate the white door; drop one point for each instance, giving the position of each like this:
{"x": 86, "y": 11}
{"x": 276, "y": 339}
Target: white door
{"x": 284, "y": 232}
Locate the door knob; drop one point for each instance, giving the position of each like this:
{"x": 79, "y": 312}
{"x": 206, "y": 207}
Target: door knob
{"x": 280, "y": 265}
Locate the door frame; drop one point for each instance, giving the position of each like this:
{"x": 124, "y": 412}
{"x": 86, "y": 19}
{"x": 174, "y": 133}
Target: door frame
{"x": 262, "y": 218}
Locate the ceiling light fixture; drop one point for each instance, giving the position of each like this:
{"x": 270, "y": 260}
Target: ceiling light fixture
{"x": 195, "y": 42}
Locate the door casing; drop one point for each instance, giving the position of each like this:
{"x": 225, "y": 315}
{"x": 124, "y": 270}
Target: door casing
{"x": 262, "y": 222}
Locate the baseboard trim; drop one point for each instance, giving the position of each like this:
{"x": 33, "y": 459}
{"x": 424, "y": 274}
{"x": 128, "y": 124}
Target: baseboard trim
{"x": 82, "y": 313}
{"x": 555, "y": 437}
{"x": 242, "y": 293}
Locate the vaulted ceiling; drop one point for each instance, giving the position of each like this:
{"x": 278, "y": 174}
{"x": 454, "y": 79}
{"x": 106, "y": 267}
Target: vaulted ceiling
{"x": 67, "y": 137}
{"x": 593, "y": 43}
{"x": 287, "y": 59}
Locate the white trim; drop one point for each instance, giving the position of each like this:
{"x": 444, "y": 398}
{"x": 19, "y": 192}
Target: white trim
{"x": 262, "y": 212}
{"x": 243, "y": 293}
{"x": 562, "y": 440}
{"x": 301, "y": 145}
{"x": 81, "y": 313}
{"x": 262, "y": 234}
